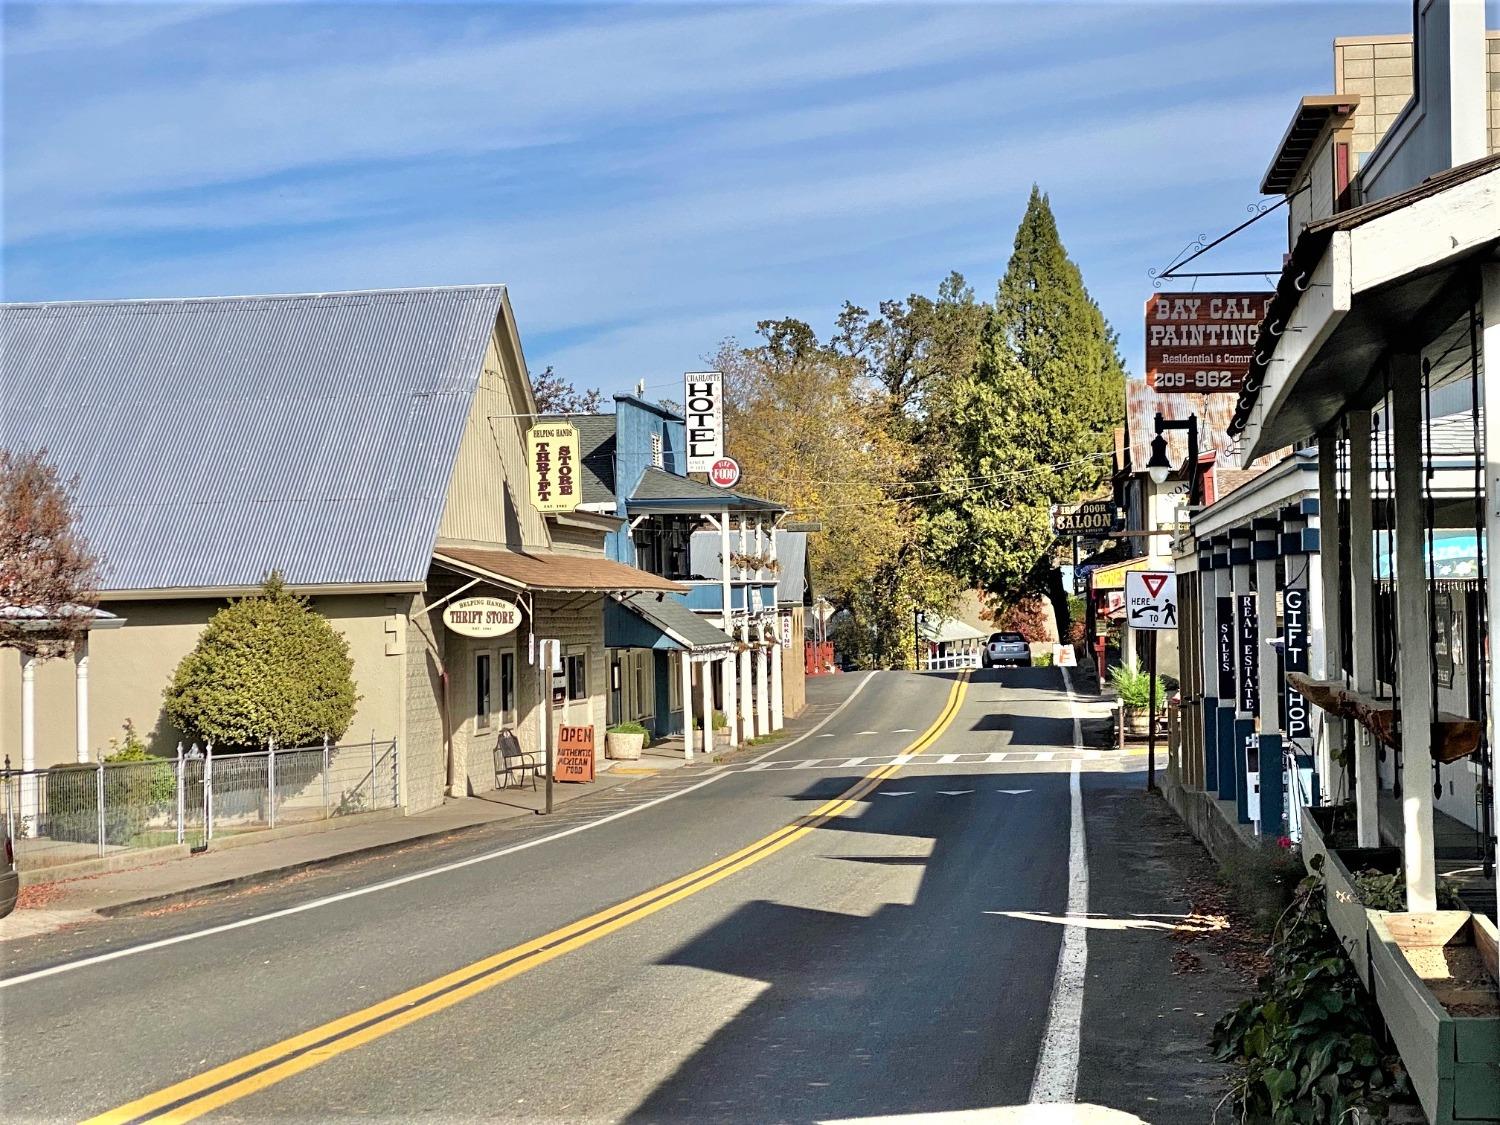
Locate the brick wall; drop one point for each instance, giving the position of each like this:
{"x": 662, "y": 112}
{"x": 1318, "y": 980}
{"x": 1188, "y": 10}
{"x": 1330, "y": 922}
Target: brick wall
{"x": 1379, "y": 70}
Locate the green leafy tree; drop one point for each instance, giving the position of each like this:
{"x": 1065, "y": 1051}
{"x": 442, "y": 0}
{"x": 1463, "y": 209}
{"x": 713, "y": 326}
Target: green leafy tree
{"x": 811, "y": 430}
{"x": 267, "y": 668}
{"x": 1027, "y": 428}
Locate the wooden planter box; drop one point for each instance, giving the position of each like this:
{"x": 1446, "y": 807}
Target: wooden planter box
{"x": 1348, "y": 916}
{"x": 1453, "y": 1059}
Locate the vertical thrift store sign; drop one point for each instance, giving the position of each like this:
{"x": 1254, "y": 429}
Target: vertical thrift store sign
{"x": 552, "y": 461}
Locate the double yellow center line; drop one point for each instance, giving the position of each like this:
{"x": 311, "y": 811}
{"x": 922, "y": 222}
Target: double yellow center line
{"x": 240, "y": 1077}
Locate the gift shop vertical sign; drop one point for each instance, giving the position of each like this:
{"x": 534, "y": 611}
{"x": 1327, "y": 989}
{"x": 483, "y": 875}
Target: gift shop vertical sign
{"x": 552, "y": 464}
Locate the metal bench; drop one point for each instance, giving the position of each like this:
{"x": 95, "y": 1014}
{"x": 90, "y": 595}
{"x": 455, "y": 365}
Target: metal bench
{"x": 511, "y": 759}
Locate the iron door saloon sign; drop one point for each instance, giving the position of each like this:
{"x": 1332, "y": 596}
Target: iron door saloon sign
{"x": 1092, "y": 517}
{"x": 482, "y": 617}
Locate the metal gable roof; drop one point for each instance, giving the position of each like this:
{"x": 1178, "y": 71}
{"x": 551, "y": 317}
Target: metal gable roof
{"x": 215, "y": 439}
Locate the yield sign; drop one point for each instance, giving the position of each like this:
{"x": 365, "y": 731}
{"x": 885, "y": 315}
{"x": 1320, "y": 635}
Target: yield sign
{"x": 1151, "y": 599}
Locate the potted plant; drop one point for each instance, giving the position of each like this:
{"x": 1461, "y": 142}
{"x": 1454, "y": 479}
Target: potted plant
{"x": 1133, "y": 687}
{"x": 624, "y": 742}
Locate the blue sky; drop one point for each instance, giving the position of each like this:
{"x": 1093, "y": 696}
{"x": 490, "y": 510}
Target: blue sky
{"x": 647, "y": 179}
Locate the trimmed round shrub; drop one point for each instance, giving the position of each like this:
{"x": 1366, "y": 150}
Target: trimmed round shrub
{"x": 267, "y": 668}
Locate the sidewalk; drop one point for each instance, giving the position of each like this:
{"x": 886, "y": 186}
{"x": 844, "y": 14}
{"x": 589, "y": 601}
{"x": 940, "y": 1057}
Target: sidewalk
{"x": 48, "y": 906}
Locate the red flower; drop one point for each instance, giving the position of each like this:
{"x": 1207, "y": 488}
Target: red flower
{"x": 1284, "y": 841}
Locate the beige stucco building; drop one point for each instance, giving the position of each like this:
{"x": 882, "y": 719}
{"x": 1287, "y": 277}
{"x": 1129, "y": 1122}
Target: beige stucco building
{"x": 370, "y": 447}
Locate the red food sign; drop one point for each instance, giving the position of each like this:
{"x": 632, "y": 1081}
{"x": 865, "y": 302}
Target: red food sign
{"x": 725, "y": 472}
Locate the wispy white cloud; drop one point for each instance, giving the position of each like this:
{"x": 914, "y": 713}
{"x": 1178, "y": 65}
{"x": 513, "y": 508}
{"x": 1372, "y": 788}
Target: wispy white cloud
{"x": 648, "y": 179}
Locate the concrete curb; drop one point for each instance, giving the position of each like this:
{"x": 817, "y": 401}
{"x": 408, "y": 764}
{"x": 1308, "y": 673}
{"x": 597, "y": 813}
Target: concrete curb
{"x": 272, "y": 874}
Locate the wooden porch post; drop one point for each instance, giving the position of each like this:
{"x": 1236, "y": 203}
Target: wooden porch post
{"x": 1362, "y": 624}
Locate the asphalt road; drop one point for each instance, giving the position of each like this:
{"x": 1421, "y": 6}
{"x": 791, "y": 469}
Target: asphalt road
{"x": 888, "y": 945}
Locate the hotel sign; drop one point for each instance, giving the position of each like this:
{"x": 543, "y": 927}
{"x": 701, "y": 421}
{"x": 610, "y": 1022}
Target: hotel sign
{"x": 552, "y": 464}
{"x": 703, "y": 406}
{"x": 1202, "y": 343}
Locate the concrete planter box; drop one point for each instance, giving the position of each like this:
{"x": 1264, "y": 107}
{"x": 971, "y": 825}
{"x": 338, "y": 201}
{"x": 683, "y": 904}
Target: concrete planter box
{"x": 1453, "y": 1059}
{"x": 623, "y": 747}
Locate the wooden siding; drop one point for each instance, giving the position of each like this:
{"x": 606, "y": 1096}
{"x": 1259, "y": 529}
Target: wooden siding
{"x": 488, "y": 500}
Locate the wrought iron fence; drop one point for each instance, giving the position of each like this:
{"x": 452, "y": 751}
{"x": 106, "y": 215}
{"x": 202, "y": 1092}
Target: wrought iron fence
{"x": 87, "y": 810}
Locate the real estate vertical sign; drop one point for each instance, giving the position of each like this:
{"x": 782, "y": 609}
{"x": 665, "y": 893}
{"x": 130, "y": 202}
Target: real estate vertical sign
{"x": 1249, "y": 655}
{"x": 703, "y": 406}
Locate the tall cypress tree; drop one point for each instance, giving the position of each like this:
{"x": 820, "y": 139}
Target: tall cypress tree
{"x": 1046, "y": 391}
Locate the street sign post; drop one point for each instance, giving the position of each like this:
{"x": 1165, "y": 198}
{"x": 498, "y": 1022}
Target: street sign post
{"x": 1151, "y": 605}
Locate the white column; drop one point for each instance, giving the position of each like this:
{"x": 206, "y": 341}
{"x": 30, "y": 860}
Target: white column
{"x": 1273, "y": 799}
{"x": 1415, "y": 648}
{"x": 763, "y": 689}
{"x": 708, "y": 709}
{"x": 747, "y": 680}
{"x": 1490, "y": 343}
{"x": 1327, "y": 608}
{"x": 685, "y": 669}
{"x": 81, "y": 697}
{"x": 1362, "y": 624}
{"x": 778, "y": 699}
{"x": 731, "y": 700}
{"x": 28, "y": 741}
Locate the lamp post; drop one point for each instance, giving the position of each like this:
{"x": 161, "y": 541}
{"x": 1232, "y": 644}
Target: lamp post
{"x": 1160, "y": 468}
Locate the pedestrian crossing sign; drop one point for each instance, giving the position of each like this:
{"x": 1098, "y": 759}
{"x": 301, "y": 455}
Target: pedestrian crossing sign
{"x": 1151, "y": 599}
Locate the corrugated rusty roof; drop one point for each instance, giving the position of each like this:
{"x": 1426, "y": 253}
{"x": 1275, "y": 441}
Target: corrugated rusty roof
{"x": 215, "y": 439}
{"x": 543, "y": 570}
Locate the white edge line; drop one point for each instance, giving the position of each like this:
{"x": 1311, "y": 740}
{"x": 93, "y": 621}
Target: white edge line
{"x": 358, "y": 892}
{"x": 1056, "y": 1078}
{"x": 827, "y": 719}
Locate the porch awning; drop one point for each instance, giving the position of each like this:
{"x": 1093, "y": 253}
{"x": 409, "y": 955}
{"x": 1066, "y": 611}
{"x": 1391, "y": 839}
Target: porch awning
{"x": 668, "y": 493}
{"x": 659, "y": 621}
{"x": 548, "y": 571}
{"x": 1113, "y": 577}
{"x": 1356, "y": 285}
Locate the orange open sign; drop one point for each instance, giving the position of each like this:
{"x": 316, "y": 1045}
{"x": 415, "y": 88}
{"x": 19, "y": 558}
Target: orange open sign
{"x": 574, "y": 760}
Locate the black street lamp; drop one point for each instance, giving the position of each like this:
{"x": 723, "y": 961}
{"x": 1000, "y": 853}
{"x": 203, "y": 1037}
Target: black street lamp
{"x": 1160, "y": 465}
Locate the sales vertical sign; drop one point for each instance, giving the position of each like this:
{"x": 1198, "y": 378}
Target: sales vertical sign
{"x": 1226, "y": 649}
{"x": 1249, "y": 655}
{"x": 703, "y": 406}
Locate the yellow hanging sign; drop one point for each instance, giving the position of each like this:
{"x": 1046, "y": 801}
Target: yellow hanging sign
{"x": 553, "y": 465}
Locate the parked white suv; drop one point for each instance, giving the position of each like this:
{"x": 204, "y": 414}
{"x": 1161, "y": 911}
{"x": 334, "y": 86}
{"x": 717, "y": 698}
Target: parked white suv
{"x": 1007, "y": 648}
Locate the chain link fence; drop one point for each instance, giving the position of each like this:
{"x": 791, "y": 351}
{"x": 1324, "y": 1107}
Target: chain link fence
{"x": 90, "y": 810}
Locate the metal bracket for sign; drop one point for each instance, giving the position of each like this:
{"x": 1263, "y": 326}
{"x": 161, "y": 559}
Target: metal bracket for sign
{"x": 448, "y": 598}
{"x": 1200, "y": 246}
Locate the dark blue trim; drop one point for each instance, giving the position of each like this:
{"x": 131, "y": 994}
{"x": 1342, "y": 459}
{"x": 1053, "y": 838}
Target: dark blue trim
{"x": 1272, "y": 785}
{"x": 1226, "y": 753}
{"x": 1210, "y": 743}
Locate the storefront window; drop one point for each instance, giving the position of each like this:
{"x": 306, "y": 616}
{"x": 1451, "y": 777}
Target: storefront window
{"x": 508, "y": 685}
{"x": 482, "y": 691}
{"x": 577, "y": 668}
